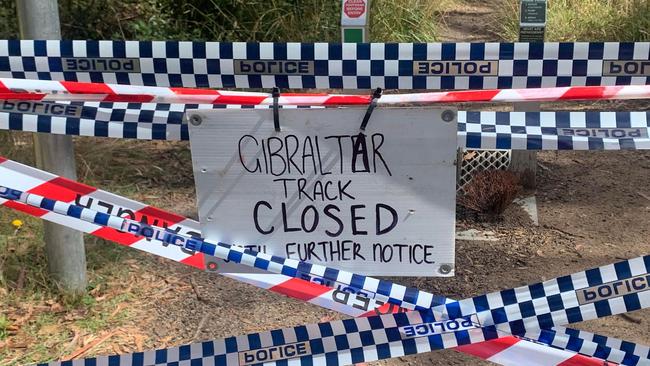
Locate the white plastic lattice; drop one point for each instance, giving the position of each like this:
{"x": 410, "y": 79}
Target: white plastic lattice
{"x": 474, "y": 161}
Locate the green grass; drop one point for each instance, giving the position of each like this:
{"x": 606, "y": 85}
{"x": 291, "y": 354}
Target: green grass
{"x": 406, "y": 20}
{"x": 4, "y": 326}
{"x": 584, "y": 20}
{"x": 25, "y": 284}
{"x": 24, "y": 280}
{"x": 101, "y": 320}
{"x": 235, "y": 20}
{"x": 23, "y": 265}
{"x": 287, "y": 20}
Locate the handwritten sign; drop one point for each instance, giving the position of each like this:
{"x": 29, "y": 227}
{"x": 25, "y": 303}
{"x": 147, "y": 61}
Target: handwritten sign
{"x": 380, "y": 202}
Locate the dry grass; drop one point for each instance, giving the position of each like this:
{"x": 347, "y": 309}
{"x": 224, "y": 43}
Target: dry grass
{"x": 584, "y": 20}
{"x": 407, "y": 20}
{"x": 236, "y": 20}
{"x": 38, "y": 324}
{"x": 490, "y": 192}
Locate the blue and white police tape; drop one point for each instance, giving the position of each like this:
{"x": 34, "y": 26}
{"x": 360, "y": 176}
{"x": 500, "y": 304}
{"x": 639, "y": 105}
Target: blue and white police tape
{"x": 579, "y": 345}
{"x": 561, "y": 130}
{"x": 617, "y": 344}
{"x": 350, "y": 304}
{"x": 142, "y": 121}
{"x": 557, "y": 130}
{"x": 329, "y": 65}
{"x": 516, "y": 309}
{"x": 595, "y": 293}
{"x": 582, "y": 343}
{"x": 378, "y": 290}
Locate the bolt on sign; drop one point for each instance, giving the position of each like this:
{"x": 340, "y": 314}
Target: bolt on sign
{"x": 378, "y": 202}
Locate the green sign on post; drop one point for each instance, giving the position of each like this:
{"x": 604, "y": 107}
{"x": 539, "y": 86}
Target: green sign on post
{"x": 533, "y": 11}
{"x": 354, "y": 20}
{"x": 532, "y": 22}
{"x": 353, "y": 35}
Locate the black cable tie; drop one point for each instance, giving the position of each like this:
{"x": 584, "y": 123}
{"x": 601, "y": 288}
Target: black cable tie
{"x": 276, "y": 108}
{"x": 373, "y": 103}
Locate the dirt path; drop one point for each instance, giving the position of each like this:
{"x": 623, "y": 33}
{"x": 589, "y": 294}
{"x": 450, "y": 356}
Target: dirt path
{"x": 469, "y": 21}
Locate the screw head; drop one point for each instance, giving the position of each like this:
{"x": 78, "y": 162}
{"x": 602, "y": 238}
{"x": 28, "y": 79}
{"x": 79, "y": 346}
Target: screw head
{"x": 196, "y": 120}
{"x": 448, "y": 115}
{"x": 212, "y": 266}
{"x": 445, "y": 268}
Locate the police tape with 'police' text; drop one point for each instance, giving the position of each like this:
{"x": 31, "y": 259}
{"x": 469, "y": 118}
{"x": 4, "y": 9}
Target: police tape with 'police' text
{"x": 341, "y": 299}
{"x": 329, "y": 65}
{"x": 561, "y": 130}
{"x": 612, "y": 289}
{"x": 587, "y": 296}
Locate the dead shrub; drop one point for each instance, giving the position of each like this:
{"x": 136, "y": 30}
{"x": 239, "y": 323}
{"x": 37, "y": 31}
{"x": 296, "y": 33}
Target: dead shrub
{"x": 490, "y": 192}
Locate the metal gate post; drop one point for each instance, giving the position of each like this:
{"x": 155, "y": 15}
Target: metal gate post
{"x": 64, "y": 247}
{"x": 532, "y": 26}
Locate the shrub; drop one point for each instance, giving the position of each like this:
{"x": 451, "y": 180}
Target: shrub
{"x": 234, "y": 20}
{"x": 240, "y": 20}
{"x": 8, "y": 22}
{"x": 406, "y": 20}
{"x": 490, "y": 192}
{"x": 287, "y": 20}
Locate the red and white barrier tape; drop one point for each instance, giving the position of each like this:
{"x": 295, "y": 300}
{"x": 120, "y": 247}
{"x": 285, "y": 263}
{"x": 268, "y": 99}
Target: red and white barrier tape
{"x": 507, "y": 351}
{"x": 491, "y": 313}
{"x": 45, "y": 90}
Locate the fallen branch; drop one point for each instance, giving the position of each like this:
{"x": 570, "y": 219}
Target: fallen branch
{"x": 630, "y": 319}
{"x": 81, "y": 351}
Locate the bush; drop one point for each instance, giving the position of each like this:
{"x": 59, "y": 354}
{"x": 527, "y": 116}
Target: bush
{"x": 239, "y": 20}
{"x": 8, "y": 23}
{"x": 406, "y": 20}
{"x": 234, "y": 20}
{"x": 490, "y": 192}
{"x": 109, "y": 19}
{"x": 584, "y": 20}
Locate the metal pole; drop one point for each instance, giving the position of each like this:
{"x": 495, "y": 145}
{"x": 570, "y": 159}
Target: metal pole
{"x": 532, "y": 28}
{"x": 64, "y": 248}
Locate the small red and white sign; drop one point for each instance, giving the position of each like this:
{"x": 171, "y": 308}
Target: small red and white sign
{"x": 354, "y": 8}
{"x": 354, "y": 12}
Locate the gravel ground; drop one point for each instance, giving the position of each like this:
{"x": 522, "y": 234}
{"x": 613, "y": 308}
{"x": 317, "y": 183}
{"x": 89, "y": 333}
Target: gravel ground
{"x": 589, "y": 216}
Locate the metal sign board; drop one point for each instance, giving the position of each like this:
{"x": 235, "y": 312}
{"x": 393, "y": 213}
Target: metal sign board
{"x": 533, "y": 12}
{"x": 531, "y": 34}
{"x": 378, "y": 203}
{"x": 532, "y": 20}
{"x": 354, "y": 12}
{"x": 354, "y": 20}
